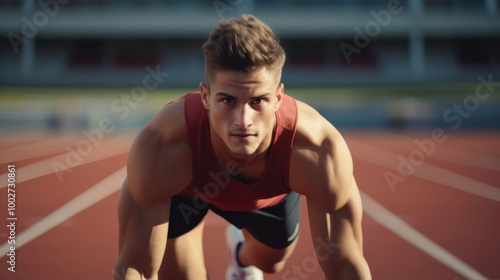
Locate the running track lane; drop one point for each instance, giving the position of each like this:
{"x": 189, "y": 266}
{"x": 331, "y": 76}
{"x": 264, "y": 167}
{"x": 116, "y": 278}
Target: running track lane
{"x": 462, "y": 224}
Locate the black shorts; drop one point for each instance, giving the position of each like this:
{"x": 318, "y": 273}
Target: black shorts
{"x": 276, "y": 226}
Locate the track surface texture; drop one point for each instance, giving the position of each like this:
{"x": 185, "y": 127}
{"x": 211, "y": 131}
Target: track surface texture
{"x": 431, "y": 207}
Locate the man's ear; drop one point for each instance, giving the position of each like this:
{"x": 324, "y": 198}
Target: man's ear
{"x": 279, "y": 96}
{"x": 204, "y": 95}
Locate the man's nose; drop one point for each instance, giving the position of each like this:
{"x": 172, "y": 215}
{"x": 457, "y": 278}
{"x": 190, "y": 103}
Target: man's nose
{"x": 244, "y": 116}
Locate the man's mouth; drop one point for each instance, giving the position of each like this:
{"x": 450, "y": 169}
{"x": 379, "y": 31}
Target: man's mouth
{"x": 243, "y": 136}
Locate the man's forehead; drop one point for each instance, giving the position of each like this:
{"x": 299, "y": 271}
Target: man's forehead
{"x": 243, "y": 95}
{"x": 261, "y": 75}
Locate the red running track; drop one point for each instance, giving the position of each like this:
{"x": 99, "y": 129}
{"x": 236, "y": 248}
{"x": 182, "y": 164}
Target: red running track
{"x": 439, "y": 222}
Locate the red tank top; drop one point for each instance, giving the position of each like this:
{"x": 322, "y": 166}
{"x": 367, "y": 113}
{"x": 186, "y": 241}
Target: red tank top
{"x": 212, "y": 184}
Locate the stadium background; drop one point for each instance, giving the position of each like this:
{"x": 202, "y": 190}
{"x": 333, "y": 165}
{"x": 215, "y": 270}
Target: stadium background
{"x": 380, "y": 71}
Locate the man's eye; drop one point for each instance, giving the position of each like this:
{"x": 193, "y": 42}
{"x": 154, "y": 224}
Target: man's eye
{"x": 228, "y": 101}
{"x": 258, "y": 101}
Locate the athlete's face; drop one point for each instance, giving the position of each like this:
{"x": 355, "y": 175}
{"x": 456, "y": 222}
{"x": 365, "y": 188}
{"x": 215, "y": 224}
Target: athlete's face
{"x": 241, "y": 110}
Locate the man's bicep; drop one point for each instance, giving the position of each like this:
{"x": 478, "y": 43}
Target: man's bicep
{"x": 346, "y": 221}
{"x": 323, "y": 172}
{"x": 157, "y": 167}
{"x": 140, "y": 168}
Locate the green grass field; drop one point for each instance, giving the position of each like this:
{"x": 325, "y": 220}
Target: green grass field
{"x": 434, "y": 91}
{"x": 30, "y": 104}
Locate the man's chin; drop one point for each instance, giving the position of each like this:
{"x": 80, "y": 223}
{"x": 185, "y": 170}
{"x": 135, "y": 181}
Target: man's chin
{"x": 242, "y": 154}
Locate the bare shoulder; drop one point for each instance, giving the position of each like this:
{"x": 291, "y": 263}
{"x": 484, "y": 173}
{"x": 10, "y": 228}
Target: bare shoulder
{"x": 160, "y": 159}
{"x": 321, "y": 164}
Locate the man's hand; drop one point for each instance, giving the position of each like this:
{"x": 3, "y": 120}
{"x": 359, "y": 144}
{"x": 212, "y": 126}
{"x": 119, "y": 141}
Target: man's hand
{"x": 130, "y": 274}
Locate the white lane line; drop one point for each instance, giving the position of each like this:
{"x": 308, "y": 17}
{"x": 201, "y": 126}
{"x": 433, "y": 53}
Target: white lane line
{"x": 96, "y": 193}
{"x": 426, "y": 171}
{"x": 61, "y": 164}
{"x": 468, "y": 158}
{"x": 393, "y": 223}
{"x": 36, "y": 149}
{"x": 455, "y": 155}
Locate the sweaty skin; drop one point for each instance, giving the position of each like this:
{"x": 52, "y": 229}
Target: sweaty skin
{"x": 241, "y": 115}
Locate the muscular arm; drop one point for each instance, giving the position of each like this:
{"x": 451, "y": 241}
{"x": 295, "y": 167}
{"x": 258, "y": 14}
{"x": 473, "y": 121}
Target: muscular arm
{"x": 159, "y": 166}
{"x": 321, "y": 169}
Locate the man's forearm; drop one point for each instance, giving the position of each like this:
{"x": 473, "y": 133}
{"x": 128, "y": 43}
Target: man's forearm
{"x": 143, "y": 238}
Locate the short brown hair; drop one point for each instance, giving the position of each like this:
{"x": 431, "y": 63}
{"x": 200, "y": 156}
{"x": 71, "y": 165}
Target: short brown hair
{"x": 245, "y": 44}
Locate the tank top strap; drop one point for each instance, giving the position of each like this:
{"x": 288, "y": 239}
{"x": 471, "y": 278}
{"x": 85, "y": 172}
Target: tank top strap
{"x": 285, "y": 134}
{"x": 195, "y": 115}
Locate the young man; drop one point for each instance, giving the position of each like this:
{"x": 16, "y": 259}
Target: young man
{"x": 247, "y": 151}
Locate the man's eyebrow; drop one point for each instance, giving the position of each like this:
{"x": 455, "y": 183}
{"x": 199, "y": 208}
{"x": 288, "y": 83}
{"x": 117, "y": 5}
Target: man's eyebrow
{"x": 261, "y": 96}
{"x": 227, "y": 95}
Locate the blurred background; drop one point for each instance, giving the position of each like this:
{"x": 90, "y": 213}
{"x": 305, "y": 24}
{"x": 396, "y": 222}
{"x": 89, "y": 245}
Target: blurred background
{"x": 386, "y": 62}
{"x": 413, "y": 85}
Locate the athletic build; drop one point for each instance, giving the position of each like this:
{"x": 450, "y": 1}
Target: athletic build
{"x": 245, "y": 150}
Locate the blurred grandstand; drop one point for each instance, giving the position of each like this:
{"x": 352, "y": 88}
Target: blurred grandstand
{"x": 329, "y": 44}
{"x": 110, "y": 42}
